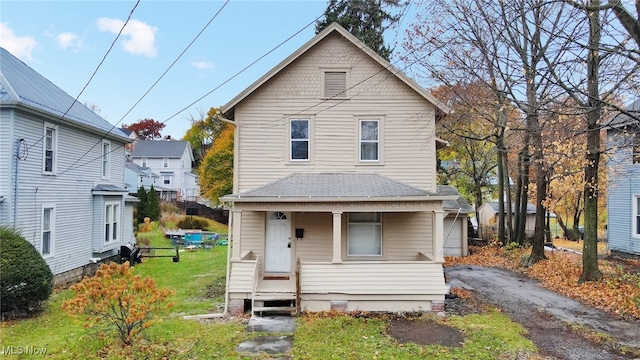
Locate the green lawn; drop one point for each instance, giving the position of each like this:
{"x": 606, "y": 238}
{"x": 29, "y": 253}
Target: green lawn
{"x": 198, "y": 280}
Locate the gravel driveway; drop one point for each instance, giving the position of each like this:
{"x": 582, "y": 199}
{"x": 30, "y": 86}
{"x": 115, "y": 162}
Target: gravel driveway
{"x": 548, "y": 316}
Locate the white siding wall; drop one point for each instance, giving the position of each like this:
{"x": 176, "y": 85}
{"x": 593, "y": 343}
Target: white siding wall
{"x": 70, "y": 191}
{"x": 406, "y": 127}
{"x": 7, "y": 157}
{"x": 622, "y": 187}
{"x": 175, "y": 166}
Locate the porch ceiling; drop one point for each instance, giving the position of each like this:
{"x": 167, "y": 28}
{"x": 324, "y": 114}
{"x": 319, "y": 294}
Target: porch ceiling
{"x": 336, "y": 187}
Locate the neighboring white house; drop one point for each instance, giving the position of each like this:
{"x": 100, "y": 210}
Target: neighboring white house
{"x": 335, "y": 195}
{"x": 136, "y": 176}
{"x": 623, "y": 189}
{"x": 62, "y": 178}
{"x": 172, "y": 161}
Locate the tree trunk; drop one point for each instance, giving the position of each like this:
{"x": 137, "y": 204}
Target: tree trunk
{"x": 590, "y": 270}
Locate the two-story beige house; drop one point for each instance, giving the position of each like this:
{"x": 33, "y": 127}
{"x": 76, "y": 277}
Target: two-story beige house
{"x": 335, "y": 204}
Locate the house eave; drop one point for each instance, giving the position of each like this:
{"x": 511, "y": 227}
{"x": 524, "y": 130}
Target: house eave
{"x": 344, "y": 199}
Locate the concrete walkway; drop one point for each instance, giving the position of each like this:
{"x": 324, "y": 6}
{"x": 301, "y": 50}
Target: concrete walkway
{"x": 280, "y": 343}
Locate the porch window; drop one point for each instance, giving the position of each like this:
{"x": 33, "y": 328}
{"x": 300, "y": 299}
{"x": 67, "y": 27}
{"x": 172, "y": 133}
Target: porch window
{"x": 49, "y": 155}
{"x": 111, "y": 221}
{"x": 365, "y": 234}
{"x": 300, "y": 139}
{"x": 47, "y": 229}
{"x": 369, "y": 140}
{"x": 636, "y": 217}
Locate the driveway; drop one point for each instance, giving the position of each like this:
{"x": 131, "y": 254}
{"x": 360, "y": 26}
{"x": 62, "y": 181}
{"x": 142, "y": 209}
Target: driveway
{"x": 549, "y": 318}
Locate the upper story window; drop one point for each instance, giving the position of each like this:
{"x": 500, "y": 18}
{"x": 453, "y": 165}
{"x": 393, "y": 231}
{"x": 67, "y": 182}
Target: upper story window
{"x": 49, "y": 155}
{"x": 111, "y": 221}
{"x": 106, "y": 159}
{"x": 299, "y": 139}
{"x": 636, "y": 148}
{"x": 635, "y": 221}
{"x": 166, "y": 179}
{"x": 165, "y": 162}
{"x": 335, "y": 84}
{"x": 365, "y": 234}
{"x": 144, "y": 162}
{"x": 48, "y": 218}
{"x": 369, "y": 140}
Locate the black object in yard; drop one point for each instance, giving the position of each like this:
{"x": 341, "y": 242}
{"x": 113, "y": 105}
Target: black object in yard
{"x": 130, "y": 253}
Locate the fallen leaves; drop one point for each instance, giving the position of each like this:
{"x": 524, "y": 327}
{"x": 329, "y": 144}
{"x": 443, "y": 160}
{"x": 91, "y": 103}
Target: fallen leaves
{"x": 618, "y": 293}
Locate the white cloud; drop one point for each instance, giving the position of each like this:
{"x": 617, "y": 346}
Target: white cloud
{"x": 68, "y": 40}
{"x": 19, "y": 46}
{"x": 140, "y": 37}
{"x": 203, "y": 65}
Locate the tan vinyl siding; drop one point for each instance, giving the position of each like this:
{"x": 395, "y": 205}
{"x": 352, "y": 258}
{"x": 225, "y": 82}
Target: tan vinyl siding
{"x": 408, "y": 146}
{"x": 384, "y": 278}
{"x": 317, "y": 242}
{"x": 406, "y": 234}
{"x": 240, "y": 279}
{"x": 253, "y": 232}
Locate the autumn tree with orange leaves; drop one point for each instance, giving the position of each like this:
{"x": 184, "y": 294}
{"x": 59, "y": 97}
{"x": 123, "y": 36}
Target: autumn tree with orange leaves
{"x": 119, "y": 300}
{"x": 216, "y": 170}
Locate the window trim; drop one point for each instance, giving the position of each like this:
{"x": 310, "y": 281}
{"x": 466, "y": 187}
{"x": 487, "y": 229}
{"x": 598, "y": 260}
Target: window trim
{"x": 112, "y": 216}
{"x": 54, "y": 149}
{"x": 323, "y": 90}
{"x": 169, "y": 176}
{"x": 52, "y": 229}
{"x": 144, "y": 162}
{"x": 308, "y": 140}
{"x": 378, "y": 141}
{"x": 635, "y": 216}
{"x": 165, "y": 162}
{"x": 106, "y": 160}
{"x": 378, "y": 224}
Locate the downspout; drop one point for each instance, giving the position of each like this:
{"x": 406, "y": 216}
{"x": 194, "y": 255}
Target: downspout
{"x": 226, "y": 290}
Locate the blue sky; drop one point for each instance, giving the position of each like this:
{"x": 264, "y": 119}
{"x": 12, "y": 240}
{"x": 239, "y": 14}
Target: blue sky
{"x": 66, "y": 40}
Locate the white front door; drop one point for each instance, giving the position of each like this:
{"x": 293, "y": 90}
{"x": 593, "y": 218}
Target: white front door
{"x": 277, "y": 256}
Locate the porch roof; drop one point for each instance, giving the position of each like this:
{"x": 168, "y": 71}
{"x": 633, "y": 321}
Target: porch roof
{"x": 307, "y": 187}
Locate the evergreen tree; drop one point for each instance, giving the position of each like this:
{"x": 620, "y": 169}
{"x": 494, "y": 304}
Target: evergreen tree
{"x": 365, "y": 19}
{"x": 143, "y": 204}
{"x": 153, "y": 210}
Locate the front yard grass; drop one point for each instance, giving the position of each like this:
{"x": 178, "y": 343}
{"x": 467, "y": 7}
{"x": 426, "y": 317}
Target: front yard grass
{"x": 198, "y": 280}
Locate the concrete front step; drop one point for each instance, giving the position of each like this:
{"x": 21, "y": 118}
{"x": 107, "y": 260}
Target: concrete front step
{"x": 273, "y": 296}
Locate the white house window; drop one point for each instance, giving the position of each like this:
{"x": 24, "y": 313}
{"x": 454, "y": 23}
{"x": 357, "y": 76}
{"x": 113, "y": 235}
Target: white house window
{"x": 165, "y": 162}
{"x": 144, "y": 162}
{"x": 300, "y": 139}
{"x": 166, "y": 179}
{"x": 365, "y": 234}
{"x": 335, "y": 84}
{"x": 369, "y": 140}
{"x": 636, "y": 217}
{"x": 106, "y": 159}
{"x": 48, "y": 217}
{"x": 111, "y": 221}
{"x": 49, "y": 149}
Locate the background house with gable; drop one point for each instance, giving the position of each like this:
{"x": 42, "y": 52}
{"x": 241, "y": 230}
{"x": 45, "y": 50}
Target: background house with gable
{"x": 172, "y": 161}
{"x": 62, "y": 184}
{"x": 335, "y": 203}
{"x": 623, "y": 188}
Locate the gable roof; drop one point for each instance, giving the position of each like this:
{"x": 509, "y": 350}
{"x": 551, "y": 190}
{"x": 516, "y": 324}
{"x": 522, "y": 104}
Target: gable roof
{"x": 20, "y": 85}
{"x": 307, "y": 187}
{"x": 459, "y": 204}
{"x": 227, "y": 109}
{"x": 621, "y": 119}
{"x": 160, "y": 149}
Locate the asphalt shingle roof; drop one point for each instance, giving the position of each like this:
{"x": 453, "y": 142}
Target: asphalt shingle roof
{"x": 334, "y": 185}
{"x": 459, "y": 204}
{"x": 21, "y": 84}
{"x": 159, "y": 148}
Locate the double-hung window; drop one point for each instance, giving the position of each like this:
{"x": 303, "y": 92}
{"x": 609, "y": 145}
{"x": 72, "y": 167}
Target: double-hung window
{"x": 365, "y": 234}
{"x": 48, "y": 218}
{"x": 111, "y": 221}
{"x": 369, "y": 140}
{"x": 165, "y": 162}
{"x": 299, "y": 139}
{"x": 166, "y": 179}
{"x": 49, "y": 155}
{"x": 635, "y": 221}
{"x": 106, "y": 159}
{"x": 144, "y": 162}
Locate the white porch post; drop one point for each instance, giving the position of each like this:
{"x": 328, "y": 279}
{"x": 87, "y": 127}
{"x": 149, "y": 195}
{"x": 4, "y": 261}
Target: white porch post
{"x": 337, "y": 237}
{"x": 438, "y": 236}
{"x": 236, "y": 223}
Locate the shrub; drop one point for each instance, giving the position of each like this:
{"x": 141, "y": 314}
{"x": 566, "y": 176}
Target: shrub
{"x": 124, "y": 303}
{"x": 169, "y": 208}
{"x": 25, "y": 278}
{"x": 195, "y": 223}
